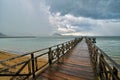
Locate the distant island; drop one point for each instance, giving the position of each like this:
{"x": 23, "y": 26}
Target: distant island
{"x": 6, "y": 36}
{"x": 60, "y": 35}
{"x": 57, "y": 35}
{"x": 2, "y": 35}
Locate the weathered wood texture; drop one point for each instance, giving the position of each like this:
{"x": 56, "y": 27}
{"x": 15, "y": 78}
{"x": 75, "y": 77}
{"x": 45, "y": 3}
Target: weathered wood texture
{"x": 74, "y": 66}
{"x": 105, "y": 68}
{"x": 35, "y": 63}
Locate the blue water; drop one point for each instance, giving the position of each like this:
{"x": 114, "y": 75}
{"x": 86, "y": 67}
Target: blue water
{"x": 24, "y": 45}
{"x": 110, "y": 45}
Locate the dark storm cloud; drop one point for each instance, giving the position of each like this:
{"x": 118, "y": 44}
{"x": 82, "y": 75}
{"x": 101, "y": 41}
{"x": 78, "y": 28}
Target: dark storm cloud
{"x": 44, "y": 17}
{"x": 97, "y": 9}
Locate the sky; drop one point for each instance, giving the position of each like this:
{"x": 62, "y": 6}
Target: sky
{"x": 67, "y": 17}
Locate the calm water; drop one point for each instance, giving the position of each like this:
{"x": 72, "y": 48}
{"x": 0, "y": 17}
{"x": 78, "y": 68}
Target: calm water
{"x": 111, "y": 45}
{"x": 23, "y": 45}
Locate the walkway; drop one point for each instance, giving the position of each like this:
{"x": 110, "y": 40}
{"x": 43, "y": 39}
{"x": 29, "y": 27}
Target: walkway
{"x": 76, "y": 66}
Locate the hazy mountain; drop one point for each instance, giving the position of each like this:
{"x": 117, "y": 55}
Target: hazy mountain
{"x": 7, "y": 36}
{"x": 56, "y": 34}
{"x": 2, "y": 35}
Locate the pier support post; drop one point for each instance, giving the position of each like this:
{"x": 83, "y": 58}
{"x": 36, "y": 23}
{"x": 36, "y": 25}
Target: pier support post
{"x": 58, "y": 54}
{"x": 49, "y": 57}
{"x": 33, "y": 66}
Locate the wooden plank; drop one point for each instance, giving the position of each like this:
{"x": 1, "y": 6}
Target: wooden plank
{"x": 62, "y": 75}
{"x": 74, "y": 73}
{"x": 76, "y": 65}
{"x": 75, "y": 68}
{"x": 54, "y": 77}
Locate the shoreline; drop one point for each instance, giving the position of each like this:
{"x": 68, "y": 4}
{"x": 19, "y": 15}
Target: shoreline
{"x": 6, "y": 64}
{"x": 6, "y": 55}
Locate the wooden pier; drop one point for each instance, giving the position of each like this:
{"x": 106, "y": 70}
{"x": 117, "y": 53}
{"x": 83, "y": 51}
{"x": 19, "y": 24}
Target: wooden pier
{"x": 75, "y": 65}
{"x": 78, "y": 59}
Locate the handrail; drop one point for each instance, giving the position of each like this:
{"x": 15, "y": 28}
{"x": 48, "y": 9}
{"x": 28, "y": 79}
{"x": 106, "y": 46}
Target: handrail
{"x": 113, "y": 62}
{"x": 53, "y": 54}
{"x": 104, "y": 66}
{"x": 32, "y": 52}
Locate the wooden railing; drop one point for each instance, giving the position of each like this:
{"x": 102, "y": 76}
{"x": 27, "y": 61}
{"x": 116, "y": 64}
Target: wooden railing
{"x": 35, "y": 62}
{"x": 104, "y": 66}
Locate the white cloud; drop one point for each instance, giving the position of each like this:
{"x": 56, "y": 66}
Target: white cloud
{"x": 71, "y": 25}
{"x": 85, "y": 17}
{"x": 66, "y": 30}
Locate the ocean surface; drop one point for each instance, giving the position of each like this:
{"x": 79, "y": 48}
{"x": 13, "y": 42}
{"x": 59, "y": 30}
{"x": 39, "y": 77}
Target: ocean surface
{"x": 110, "y": 45}
{"x": 24, "y": 45}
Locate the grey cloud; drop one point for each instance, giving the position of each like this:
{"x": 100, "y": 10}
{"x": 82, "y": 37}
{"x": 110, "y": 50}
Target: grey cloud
{"x": 70, "y": 23}
{"x": 97, "y": 9}
{"x": 24, "y": 17}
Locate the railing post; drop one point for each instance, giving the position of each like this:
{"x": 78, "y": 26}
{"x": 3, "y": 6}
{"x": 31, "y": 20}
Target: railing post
{"x": 96, "y": 59}
{"x": 100, "y": 60}
{"x": 70, "y": 45}
{"x": 100, "y": 67}
{"x": 49, "y": 56}
{"x": 58, "y": 54}
{"x": 33, "y": 66}
{"x": 36, "y": 64}
{"x": 115, "y": 72}
{"x": 103, "y": 70}
{"x": 63, "y": 52}
{"x": 63, "y": 48}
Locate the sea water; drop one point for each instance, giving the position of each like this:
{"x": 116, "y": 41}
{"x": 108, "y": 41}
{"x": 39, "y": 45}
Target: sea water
{"x": 110, "y": 45}
{"x": 25, "y": 45}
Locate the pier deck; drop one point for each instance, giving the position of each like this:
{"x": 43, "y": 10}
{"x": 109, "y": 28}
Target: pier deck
{"x": 76, "y": 65}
